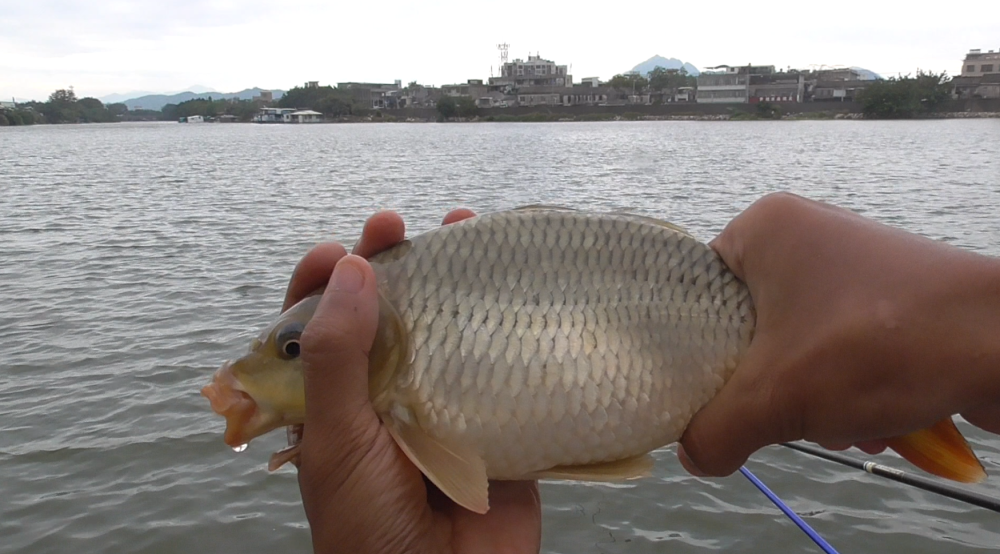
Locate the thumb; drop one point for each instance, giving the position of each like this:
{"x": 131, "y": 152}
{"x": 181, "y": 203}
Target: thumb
{"x": 741, "y": 419}
{"x": 335, "y": 346}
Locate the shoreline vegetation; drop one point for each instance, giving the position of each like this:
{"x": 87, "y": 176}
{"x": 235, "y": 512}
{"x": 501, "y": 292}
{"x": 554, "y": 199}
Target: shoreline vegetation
{"x": 925, "y": 96}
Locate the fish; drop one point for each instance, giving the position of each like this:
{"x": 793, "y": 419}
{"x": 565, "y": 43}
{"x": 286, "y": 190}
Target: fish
{"x": 539, "y": 342}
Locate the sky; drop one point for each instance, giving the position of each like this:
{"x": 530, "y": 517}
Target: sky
{"x": 115, "y": 46}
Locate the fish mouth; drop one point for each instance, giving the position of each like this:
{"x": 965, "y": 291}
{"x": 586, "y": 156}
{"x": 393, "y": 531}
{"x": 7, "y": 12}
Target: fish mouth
{"x": 231, "y": 401}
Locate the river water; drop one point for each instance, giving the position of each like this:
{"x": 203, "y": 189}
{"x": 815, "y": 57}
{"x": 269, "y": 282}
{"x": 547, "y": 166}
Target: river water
{"x": 135, "y": 258}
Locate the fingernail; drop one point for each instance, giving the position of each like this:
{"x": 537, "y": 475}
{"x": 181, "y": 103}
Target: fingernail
{"x": 347, "y": 277}
{"x": 688, "y": 463}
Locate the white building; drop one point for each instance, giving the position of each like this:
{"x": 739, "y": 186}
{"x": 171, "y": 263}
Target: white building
{"x": 303, "y": 116}
{"x": 272, "y": 115}
{"x": 536, "y": 72}
{"x": 980, "y": 76}
{"x": 978, "y": 63}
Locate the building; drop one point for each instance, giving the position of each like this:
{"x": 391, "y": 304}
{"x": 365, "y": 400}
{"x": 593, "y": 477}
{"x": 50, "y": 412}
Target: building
{"x": 727, "y": 87}
{"x": 837, "y": 74}
{"x": 725, "y": 84}
{"x": 539, "y": 96}
{"x": 473, "y": 87}
{"x": 375, "y": 95}
{"x": 272, "y": 115}
{"x": 265, "y": 96}
{"x": 834, "y": 85}
{"x": 419, "y": 96}
{"x": 684, "y": 94}
{"x": 980, "y": 77}
{"x": 588, "y": 95}
{"x": 776, "y": 87}
{"x": 7, "y": 105}
{"x": 302, "y": 116}
{"x": 978, "y": 63}
{"x": 536, "y": 72}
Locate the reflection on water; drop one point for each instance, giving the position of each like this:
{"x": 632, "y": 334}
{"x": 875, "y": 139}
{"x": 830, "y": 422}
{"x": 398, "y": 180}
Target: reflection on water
{"x": 136, "y": 258}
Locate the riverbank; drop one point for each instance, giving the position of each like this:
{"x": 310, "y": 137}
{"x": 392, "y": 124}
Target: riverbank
{"x": 543, "y": 117}
{"x": 953, "y": 109}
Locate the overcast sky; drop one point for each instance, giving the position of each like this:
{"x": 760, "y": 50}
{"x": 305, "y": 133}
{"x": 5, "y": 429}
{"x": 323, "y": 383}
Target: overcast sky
{"x": 115, "y": 46}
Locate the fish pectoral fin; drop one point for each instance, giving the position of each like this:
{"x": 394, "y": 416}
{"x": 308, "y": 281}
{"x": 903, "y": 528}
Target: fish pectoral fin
{"x": 618, "y": 470}
{"x": 287, "y": 454}
{"x": 456, "y": 469}
{"x": 942, "y": 451}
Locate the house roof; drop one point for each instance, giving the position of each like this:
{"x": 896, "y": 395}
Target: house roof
{"x": 306, "y": 112}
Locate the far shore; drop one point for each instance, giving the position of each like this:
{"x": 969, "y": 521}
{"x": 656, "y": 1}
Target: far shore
{"x": 547, "y": 117}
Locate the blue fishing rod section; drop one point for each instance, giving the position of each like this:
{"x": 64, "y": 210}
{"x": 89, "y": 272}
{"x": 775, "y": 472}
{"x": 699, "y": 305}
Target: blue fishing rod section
{"x": 820, "y": 541}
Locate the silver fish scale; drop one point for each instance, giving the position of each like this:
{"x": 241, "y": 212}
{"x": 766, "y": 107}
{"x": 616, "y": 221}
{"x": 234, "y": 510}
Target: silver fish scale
{"x": 551, "y": 337}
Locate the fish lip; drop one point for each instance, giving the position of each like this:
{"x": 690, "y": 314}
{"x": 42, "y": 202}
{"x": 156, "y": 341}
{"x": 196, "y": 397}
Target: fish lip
{"x": 229, "y": 399}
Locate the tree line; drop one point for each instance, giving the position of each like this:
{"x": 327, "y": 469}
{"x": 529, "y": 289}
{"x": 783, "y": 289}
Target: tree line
{"x": 63, "y": 107}
{"x": 906, "y": 97}
{"x": 660, "y": 79}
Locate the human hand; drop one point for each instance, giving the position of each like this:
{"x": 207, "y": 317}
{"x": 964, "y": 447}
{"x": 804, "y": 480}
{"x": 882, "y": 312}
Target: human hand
{"x": 360, "y": 492}
{"x": 864, "y": 332}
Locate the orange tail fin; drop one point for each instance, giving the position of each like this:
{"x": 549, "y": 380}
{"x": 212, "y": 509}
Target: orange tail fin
{"x": 941, "y": 450}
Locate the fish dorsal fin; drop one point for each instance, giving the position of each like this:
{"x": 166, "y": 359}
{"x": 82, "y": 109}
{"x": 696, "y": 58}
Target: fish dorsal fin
{"x": 654, "y": 221}
{"x": 628, "y": 215}
{"x": 543, "y": 208}
{"x": 456, "y": 469}
{"x": 618, "y": 470}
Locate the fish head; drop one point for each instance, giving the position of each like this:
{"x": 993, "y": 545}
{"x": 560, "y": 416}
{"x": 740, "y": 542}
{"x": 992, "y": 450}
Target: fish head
{"x": 264, "y": 389}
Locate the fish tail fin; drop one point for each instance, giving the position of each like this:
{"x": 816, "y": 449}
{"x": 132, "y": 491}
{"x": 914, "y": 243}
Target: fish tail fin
{"x": 941, "y": 450}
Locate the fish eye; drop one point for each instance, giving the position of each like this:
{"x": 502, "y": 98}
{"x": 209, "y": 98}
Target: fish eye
{"x": 287, "y": 340}
{"x": 291, "y": 349}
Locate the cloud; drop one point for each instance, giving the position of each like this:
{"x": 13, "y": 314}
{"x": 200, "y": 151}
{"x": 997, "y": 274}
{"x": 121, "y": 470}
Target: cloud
{"x": 65, "y": 27}
{"x": 104, "y": 47}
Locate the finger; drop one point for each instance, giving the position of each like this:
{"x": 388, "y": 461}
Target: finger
{"x": 312, "y": 272}
{"x": 455, "y": 216}
{"x": 381, "y": 231}
{"x": 335, "y": 346}
{"x": 746, "y": 231}
{"x": 514, "y": 505}
{"x": 741, "y": 419}
{"x": 729, "y": 246}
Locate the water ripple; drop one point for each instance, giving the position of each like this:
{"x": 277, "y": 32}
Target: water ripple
{"x": 138, "y": 257}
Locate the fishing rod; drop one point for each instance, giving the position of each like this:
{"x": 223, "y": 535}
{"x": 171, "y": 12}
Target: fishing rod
{"x": 788, "y": 512}
{"x": 900, "y": 476}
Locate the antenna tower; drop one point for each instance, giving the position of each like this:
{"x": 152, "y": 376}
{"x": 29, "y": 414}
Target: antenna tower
{"x": 503, "y": 47}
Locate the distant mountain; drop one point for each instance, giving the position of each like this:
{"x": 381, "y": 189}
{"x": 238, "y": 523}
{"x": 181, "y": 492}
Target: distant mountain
{"x": 195, "y": 88}
{"x": 157, "y": 101}
{"x": 866, "y": 75}
{"x": 117, "y": 97}
{"x": 666, "y": 63}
